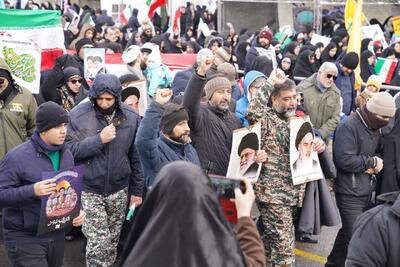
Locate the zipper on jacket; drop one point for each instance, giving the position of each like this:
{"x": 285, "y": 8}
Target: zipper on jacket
{"x": 3, "y": 130}
{"x": 353, "y": 180}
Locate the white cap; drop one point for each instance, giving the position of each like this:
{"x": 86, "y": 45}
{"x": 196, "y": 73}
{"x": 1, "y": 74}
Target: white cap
{"x": 131, "y": 54}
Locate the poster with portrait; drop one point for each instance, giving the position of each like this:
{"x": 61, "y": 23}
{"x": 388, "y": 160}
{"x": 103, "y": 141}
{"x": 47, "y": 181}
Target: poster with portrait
{"x": 138, "y": 92}
{"x": 62, "y": 206}
{"x": 94, "y": 62}
{"x": 304, "y": 162}
{"x": 245, "y": 144}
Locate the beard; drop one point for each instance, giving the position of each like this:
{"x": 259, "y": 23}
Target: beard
{"x": 143, "y": 65}
{"x": 284, "y": 112}
{"x": 183, "y": 138}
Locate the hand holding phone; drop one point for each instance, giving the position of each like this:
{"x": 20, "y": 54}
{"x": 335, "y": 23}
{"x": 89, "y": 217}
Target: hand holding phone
{"x": 244, "y": 200}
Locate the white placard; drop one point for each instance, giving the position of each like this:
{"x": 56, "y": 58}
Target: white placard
{"x": 24, "y": 58}
{"x": 304, "y": 162}
{"x": 319, "y": 38}
{"x": 245, "y": 144}
{"x": 375, "y": 33}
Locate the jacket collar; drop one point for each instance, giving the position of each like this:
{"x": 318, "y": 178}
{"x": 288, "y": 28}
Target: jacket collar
{"x": 176, "y": 146}
{"x": 217, "y": 111}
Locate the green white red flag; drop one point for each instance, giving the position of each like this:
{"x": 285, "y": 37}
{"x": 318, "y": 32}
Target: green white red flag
{"x": 385, "y": 69}
{"x": 30, "y": 32}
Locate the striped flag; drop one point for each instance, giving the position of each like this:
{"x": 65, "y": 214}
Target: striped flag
{"x": 153, "y": 5}
{"x": 42, "y": 27}
{"x": 385, "y": 69}
{"x": 126, "y": 14}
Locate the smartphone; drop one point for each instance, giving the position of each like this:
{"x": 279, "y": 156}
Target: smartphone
{"x": 225, "y": 187}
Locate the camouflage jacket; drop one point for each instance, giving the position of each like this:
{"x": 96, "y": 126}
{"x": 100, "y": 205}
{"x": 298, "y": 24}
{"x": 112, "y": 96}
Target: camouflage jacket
{"x": 275, "y": 182}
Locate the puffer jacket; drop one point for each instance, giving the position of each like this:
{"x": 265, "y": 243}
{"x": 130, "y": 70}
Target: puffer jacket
{"x": 243, "y": 103}
{"x": 17, "y": 116}
{"x": 108, "y": 167}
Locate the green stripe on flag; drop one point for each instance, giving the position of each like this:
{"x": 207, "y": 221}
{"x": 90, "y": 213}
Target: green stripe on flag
{"x": 148, "y": 2}
{"x": 379, "y": 64}
{"x": 20, "y": 18}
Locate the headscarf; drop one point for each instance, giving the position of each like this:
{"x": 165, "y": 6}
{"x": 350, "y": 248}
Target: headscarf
{"x": 366, "y": 69}
{"x": 325, "y": 53}
{"x": 181, "y": 224}
{"x": 303, "y": 67}
{"x": 263, "y": 65}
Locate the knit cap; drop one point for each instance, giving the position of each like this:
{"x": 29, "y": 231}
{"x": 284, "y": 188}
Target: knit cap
{"x": 173, "y": 115}
{"x": 265, "y": 33}
{"x": 350, "y": 60}
{"x": 229, "y": 71}
{"x": 382, "y": 104}
{"x": 49, "y": 115}
{"x": 374, "y": 81}
{"x": 215, "y": 84}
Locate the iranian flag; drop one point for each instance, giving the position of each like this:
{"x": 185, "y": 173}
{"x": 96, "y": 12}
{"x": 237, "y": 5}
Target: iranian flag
{"x": 385, "y": 68}
{"x": 43, "y": 27}
{"x": 126, "y": 14}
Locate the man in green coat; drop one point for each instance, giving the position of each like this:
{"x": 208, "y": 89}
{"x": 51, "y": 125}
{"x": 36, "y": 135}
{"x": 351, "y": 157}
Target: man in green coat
{"x": 17, "y": 111}
{"x": 322, "y": 99}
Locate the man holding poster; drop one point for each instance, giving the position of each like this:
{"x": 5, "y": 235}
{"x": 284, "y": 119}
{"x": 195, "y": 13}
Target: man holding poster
{"x": 21, "y": 189}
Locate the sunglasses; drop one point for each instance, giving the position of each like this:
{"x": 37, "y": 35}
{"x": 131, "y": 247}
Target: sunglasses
{"x": 329, "y": 76}
{"x": 76, "y": 81}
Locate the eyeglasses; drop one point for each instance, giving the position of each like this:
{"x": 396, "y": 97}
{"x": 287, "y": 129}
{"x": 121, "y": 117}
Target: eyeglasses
{"x": 76, "y": 81}
{"x": 329, "y": 76}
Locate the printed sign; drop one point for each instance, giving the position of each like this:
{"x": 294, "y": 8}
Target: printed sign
{"x": 304, "y": 162}
{"x": 24, "y": 58}
{"x": 245, "y": 145}
{"x": 319, "y": 38}
{"x": 94, "y": 62}
{"x": 62, "y": 206}
{"x": 375, "y": 33}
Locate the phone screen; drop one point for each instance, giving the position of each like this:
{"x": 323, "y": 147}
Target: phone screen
{"x": 224, "y": 187}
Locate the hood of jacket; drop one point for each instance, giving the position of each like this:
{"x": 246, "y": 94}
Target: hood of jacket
{"x": 105, "y": 83}
{"x": 5, "y": 66}
{"x": 249, "y": 79}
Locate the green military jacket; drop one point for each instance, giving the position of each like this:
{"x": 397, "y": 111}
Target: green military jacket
{"x": 17, "y": 117}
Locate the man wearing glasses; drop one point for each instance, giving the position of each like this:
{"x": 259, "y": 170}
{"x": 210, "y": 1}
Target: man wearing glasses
{"x": 17, "y": 111}
{"x": 321, "y": 99}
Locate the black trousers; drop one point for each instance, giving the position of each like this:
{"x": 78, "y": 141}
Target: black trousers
{"x": 36, "y": 254}
{"x": 350, "y": 207}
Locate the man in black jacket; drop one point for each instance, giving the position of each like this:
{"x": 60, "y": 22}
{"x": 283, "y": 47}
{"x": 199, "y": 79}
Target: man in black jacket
{"x": 102, "y": 136}
{"x": 375, "y": 240}
{"x": 354, "y": 153}
{"x": 211, "y": 123}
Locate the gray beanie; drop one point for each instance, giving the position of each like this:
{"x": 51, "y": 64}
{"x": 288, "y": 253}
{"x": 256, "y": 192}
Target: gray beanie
{"x": 382, "y": 104}
{"x": 215, "y": 84}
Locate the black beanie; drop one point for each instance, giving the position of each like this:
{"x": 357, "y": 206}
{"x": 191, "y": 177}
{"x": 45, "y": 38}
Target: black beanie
{"x": 5, "y": 74}
{"x": 82, "y": 42}
{"x": 250, "y": 140}
{"x": 49, "y": 115}
{"x": 350, "y": 60}
{"x": 173, "y": 115}
{"x": 304, "y": 129}
{"x": 130, "y": 77}
{"x": 128, "y": 92}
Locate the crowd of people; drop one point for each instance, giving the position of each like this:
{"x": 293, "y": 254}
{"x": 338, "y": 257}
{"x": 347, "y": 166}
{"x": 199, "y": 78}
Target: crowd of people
{"x": 159, "y": 162}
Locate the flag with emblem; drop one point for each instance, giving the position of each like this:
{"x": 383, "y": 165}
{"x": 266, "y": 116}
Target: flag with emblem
{"x": 42, "y": 27}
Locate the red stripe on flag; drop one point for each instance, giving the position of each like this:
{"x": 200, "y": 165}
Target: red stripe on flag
{"x": 154, "y": 6}
{"x": 49, "y": 58}
{"x": 390, "y": 72}
{"x": 177, "y": 16}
